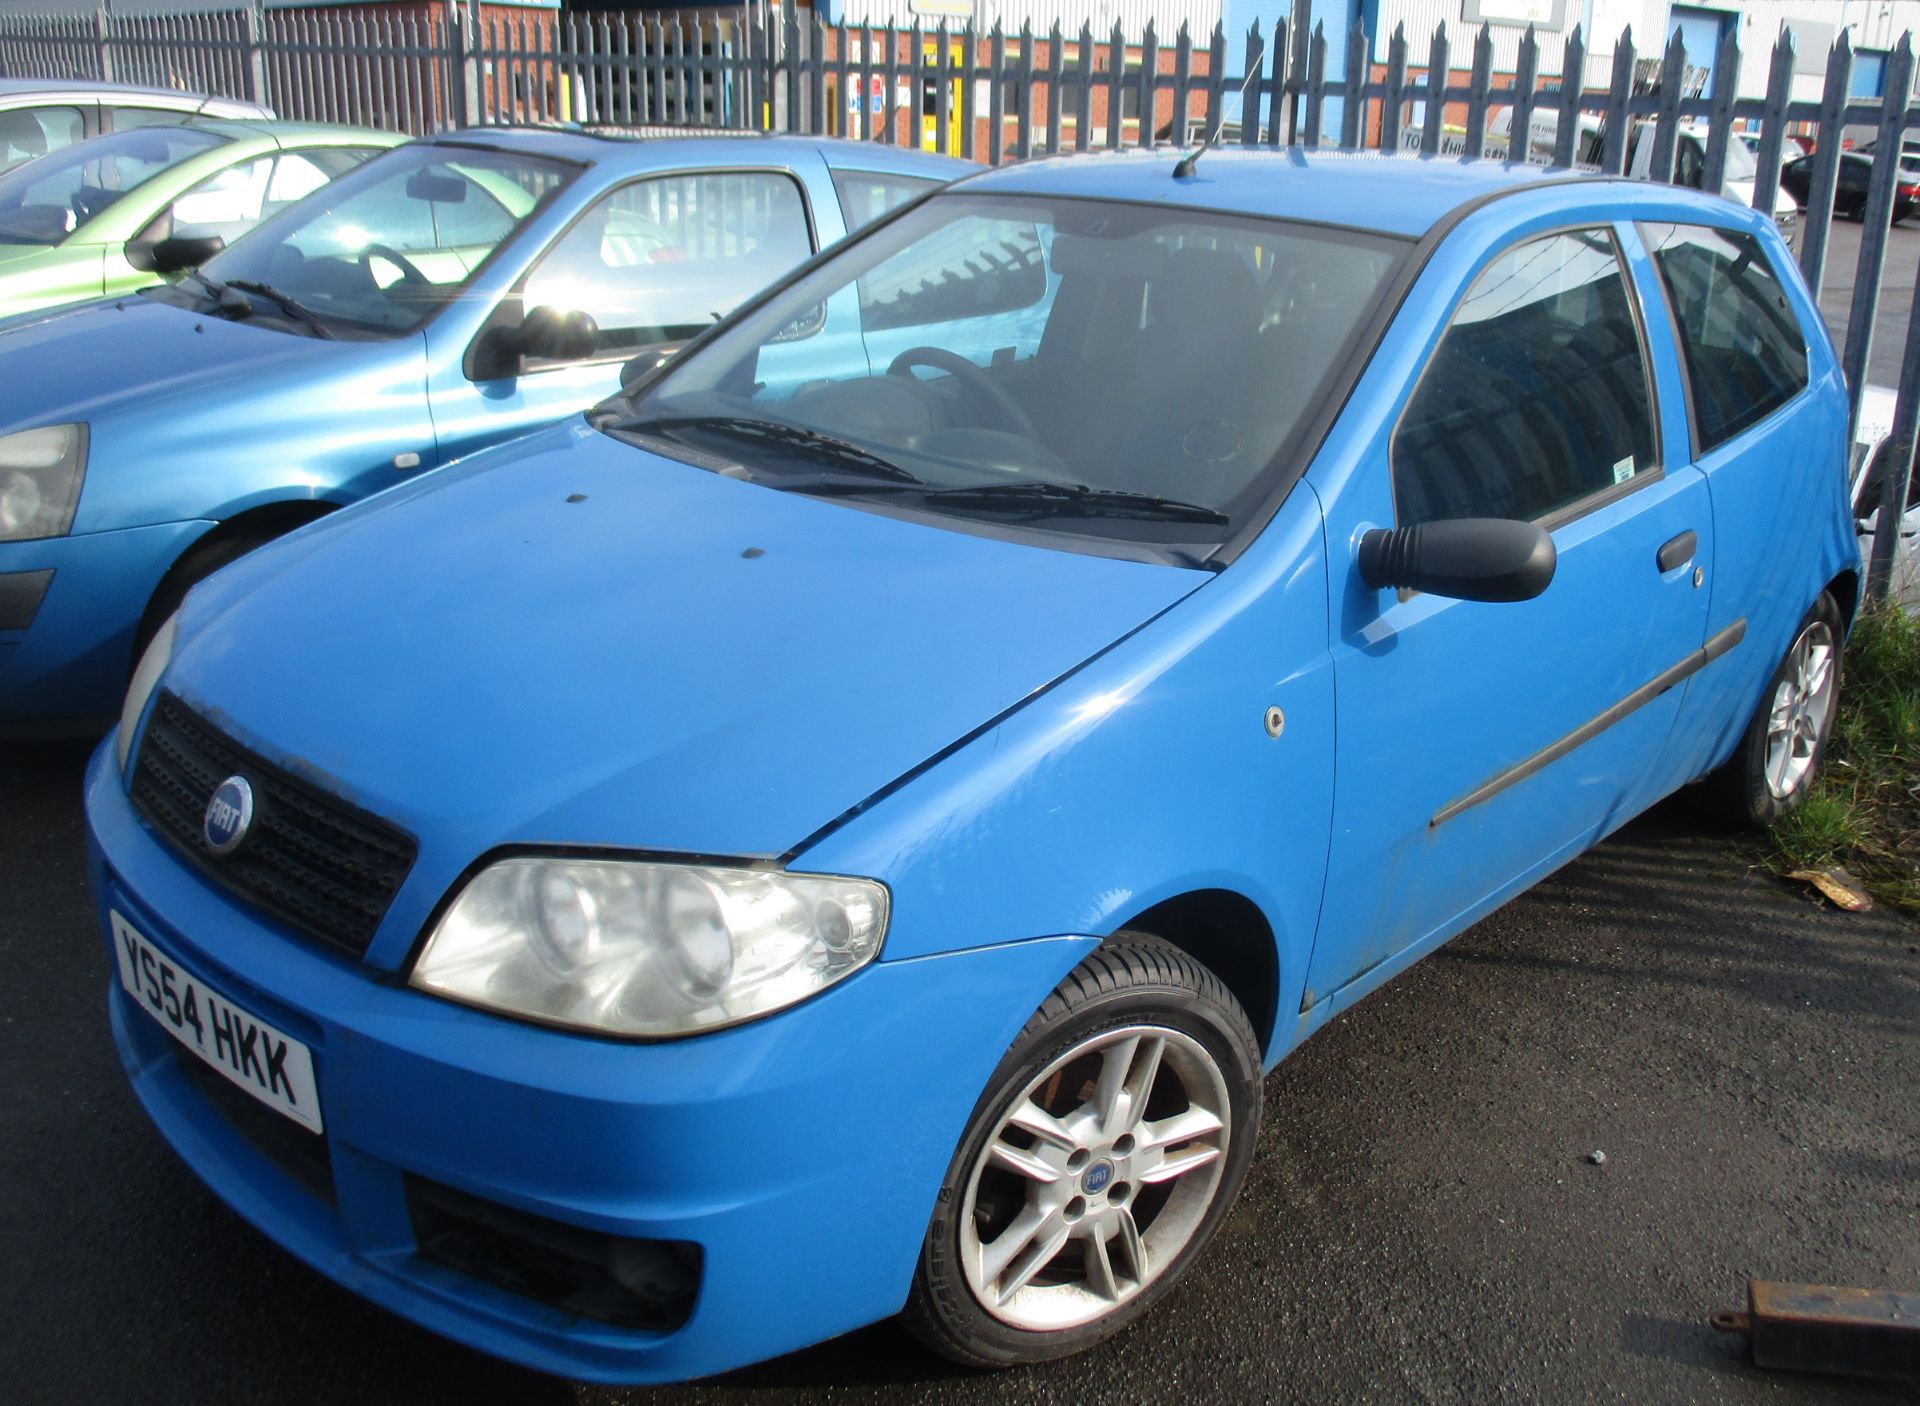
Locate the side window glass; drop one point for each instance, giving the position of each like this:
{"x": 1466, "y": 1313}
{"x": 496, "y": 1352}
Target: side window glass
{"x": 124, "y": 119}
{"x": 227, "y": 203}
{"x": 295, "y": 175}
{"x": 867, "y": 195}
{"x": 1537, "y": 395}
{"x": 34, "y": 131}
{"x": 1744, "y": 351}
{"x": 1689, "y": 164}
{"x": 969, "y": 272}
{"x": 660, "y": 260}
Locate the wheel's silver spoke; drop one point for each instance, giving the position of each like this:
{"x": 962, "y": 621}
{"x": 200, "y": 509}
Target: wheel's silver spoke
{"x": 1819, "y": 666}
{"x": 1140, "y": 1086}
{"x": 1132, "y": 1248}
{"x": 1038, "y": 1255}
{"x": 1008, "y": 1244}
{"x": 1100, "y": 1267}
{"x": 1031, "y": 1118}
{"x": 1022, "y": 1162}
{"x": 1179, "y": 1164}
{"x": 1181, "y": 1127}
{"x": 1109, "y": 1093}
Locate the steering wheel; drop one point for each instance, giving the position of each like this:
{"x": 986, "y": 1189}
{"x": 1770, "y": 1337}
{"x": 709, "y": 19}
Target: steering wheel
{"x": 409, "y": 273}
{"x": 970, "y": 376}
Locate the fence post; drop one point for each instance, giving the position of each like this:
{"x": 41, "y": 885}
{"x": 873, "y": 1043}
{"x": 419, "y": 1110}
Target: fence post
{"x": 1613, "y": 151}
{"x": 1877, "y": 220}
{"x": 1826, "y": 163}
{"x": 463, "y": 68}
{"x": 103, "y": 35}
{"x": 256, "y": 55}
{"x": 1898, "y": 473}
{"x": 1773, "y": 134}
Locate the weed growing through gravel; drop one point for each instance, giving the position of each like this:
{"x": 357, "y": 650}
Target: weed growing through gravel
{"x": 1865, "y": 811}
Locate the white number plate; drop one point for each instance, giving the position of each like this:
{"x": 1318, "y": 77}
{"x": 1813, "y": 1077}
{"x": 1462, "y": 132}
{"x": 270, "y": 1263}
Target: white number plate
{"x": 275, "y": 1068}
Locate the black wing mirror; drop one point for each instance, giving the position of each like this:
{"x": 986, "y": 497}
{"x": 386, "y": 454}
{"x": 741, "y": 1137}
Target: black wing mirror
{"x": 1476, "y": 558}
{"x": 174, "y": 255}
{"x": 545, "y": 334}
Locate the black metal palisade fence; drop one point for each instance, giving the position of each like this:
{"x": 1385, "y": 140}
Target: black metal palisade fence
{"x": 992, "y": 96}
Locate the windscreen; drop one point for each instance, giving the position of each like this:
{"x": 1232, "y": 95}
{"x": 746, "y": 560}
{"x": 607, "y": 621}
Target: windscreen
{"x": 385, "y": 246}
{"x": 1078, "y": 367}
{"x": 56, "y": 196}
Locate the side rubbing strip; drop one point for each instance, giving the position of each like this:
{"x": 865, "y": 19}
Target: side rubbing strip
{"x": 1587, "y": 731}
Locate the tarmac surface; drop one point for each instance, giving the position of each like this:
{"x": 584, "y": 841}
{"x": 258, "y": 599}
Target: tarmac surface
{"x": 1895, "y": 304}
{"x": 1423, "y": 1221}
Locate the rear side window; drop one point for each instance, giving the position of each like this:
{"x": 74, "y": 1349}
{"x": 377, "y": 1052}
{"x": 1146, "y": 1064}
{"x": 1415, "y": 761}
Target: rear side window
{"x": 34, "y": 131}
{"x": 1745, "y": 353}
{"x": 867, "y": 195}
{"x": 125, "y": 119}
{"x": 1537, "y": 395}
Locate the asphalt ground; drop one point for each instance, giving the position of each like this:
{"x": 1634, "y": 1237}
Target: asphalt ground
{"x": 1422, "y": 1223}
{"x": 1894, "y": 305}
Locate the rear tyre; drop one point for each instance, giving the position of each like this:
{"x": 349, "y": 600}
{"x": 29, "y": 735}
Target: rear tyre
{"x": 1100, "y": 1161}
{"x": 196, "y": 566}
{"x": 1778, "y": 758}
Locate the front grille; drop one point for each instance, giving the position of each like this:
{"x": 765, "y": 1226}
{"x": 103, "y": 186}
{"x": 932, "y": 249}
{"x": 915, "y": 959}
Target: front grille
{"x": 648, "y": 1284}
{"x": 309, "y": 858}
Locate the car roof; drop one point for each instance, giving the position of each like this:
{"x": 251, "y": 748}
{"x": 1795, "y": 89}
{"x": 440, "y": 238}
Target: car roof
{"x": 284, "y": 133}
{"x": 1388, "y": 192}
{"x": 652, "y": 147}
{"x": 94, "y": 90}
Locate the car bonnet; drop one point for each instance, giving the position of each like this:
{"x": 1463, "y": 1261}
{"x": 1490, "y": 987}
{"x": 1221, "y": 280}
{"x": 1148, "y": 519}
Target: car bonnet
{"x": 134, "y": 355}
{"x": 572, "y": 641}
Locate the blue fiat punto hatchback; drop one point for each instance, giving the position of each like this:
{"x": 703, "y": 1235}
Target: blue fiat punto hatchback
{"x": 841, "y": 829}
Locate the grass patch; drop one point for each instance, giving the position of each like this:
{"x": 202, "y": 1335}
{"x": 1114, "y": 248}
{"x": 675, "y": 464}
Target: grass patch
{"x": 1864, "y": 812}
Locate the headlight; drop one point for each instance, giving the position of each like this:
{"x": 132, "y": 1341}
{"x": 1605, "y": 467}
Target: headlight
{"x": 40, "y": 474}
{"x": 629, "y": 947}
{"x": 146, "y": 674}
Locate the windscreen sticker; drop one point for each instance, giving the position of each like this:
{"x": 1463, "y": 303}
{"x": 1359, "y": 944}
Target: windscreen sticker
{"x": 1623, "y": 470}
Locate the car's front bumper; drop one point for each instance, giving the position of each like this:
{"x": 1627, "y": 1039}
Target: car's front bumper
{"x": 801, "y": 1153}
{"x": 66, "y": 637}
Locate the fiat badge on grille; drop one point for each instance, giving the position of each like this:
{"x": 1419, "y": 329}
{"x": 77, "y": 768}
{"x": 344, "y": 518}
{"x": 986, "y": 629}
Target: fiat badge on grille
{"x": 229, "y": 813}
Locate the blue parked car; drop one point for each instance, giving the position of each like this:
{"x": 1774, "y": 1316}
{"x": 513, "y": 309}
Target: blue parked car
{"x": 449, "y": 295}
{"x": 828, "y": 836}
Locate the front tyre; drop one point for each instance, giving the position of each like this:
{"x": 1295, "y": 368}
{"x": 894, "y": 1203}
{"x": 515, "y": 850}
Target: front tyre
{"x": 1773, "y": 768}
{"x": 1109, "y": 1144}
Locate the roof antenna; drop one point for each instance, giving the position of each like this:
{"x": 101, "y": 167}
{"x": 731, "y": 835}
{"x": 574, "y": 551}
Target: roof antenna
{"x": 1192, "y": 159}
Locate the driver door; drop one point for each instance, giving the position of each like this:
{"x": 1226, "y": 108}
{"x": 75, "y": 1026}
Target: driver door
{"x": 1482, "y": 743}
{"x": 653, "y": 263}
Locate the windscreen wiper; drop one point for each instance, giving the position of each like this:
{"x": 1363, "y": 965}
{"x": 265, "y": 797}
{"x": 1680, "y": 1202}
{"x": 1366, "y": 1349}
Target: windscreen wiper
{"x": 226, "y": 302}
{"x": 1067, "y": 499}
{"x": 813, "y": 444}
{"x": 299, "y": 311}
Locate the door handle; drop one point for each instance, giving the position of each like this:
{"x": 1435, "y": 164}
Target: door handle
{"x": 1677, "y": 553}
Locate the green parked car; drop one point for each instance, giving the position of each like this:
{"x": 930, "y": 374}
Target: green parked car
{"x": 117, "y": 212}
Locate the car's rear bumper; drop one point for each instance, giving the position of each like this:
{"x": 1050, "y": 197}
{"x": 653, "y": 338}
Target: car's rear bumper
{"x": 800, "y": 1153}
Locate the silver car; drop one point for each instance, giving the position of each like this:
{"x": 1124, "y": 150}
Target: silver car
{"x": 1872, "y": 446}
{"x": 39, "y": 115}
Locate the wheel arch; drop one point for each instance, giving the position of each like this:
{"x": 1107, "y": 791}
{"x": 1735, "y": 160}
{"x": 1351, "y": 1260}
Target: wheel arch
{"x": 1227, "y": 933}
{"x": 263, "y": 520}
{"x": 1845, "y": 590}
